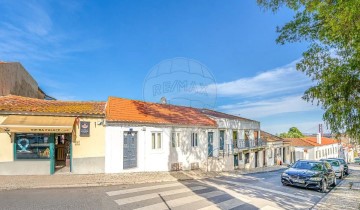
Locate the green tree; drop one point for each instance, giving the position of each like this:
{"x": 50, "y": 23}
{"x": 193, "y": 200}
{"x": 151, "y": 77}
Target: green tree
{"x": 293, "y": 132}
{"x": 332, "y": 60}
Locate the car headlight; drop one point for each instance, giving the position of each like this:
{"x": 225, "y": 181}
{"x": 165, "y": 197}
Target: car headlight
{"x": 315, "y": 179}
{"x": 285, "y": 174}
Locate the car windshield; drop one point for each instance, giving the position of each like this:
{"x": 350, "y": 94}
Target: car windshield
{"x": 308, "y": 165}
{"x": 333, "y": 162}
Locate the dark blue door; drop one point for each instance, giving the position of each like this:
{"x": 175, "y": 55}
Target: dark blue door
{"x": 130, "y": 150}
{"x": 236, "y": 160}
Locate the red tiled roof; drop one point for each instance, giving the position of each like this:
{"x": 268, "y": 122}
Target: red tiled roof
{"x": 126, "y": 110}
{"x": 269, "y": 137}
{"x": 310, "y": 141}
{"x": 20, "y": 104}
{"x": 223, "y": 115}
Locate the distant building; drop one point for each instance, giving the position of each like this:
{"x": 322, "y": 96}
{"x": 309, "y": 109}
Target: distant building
{"x": 315, "y": 148}
{"x": 15, "y": 80}
{"x": 278, "y": 151}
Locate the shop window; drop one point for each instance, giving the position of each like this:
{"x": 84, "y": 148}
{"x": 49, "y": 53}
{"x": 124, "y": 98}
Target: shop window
{"x": 175, "y": 139}
{"x": 194, "y": 139}
{"x": 156, "y": 141}
{"x": 32, "y": 146}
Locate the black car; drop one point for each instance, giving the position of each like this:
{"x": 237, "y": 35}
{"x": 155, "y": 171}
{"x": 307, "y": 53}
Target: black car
{"x": 310, "y": 174}
{"x": 344, "y": 163}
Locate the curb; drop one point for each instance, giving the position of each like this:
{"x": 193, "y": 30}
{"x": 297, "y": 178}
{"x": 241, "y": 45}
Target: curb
{"x": 110, "y": 183}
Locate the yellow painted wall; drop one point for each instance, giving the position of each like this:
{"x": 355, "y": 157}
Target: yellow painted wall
{"x": 6, "y": 145}
{"x": 93, "y": 146}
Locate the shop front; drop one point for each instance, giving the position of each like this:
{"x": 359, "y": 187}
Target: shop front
{"x": 40, "y": 144}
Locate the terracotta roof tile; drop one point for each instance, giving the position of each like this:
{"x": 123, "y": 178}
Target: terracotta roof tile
{"x": 126, "y": 110}
{"x": 12, "y": 103}
{"x": 269, "y": 137}
{"x": 310, "y": 141}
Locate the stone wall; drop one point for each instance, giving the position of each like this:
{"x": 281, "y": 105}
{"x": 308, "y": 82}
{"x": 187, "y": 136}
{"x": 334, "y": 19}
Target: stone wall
{"x": 15, "y": 80}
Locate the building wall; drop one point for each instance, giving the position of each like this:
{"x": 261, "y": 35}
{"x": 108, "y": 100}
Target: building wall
{"x": 15, "y": 80}
{"x": 6, "y": 145}
{"x": 88, "y": 153}
{"x": 26, "y": 167}
{"x": 149, "y": 159}
{"x": 317, "y": 153}
{"x": 274, "y": 153}
{"x": 326, "y": 151}
{"x": 287, "y": 154}
{"x": 237, "y": 124}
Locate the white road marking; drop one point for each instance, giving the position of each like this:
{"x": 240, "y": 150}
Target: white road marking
{"x": 269, "y": 208}
{"x": 228, "y": 204}
{"x": 140, "y": 189}
{"x": 182, "y": 201}
{"x": 264, "y": 189}
{"x": 139, "y": 198}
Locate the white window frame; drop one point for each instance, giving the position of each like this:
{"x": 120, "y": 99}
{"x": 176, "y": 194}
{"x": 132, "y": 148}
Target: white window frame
{"x": 175, "y": 139}
{"x": 156, "y": 143}
{"x": 194, "y": 141}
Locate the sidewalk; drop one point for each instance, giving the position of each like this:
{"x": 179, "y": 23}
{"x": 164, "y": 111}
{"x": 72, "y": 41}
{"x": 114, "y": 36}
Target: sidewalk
{"x": 92, "y": 180}
{"x": 346, "y": 195}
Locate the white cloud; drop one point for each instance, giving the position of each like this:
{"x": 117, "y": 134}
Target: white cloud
{"x": 273, "y": 106}
{"x": 28, "y": 32}
{"x": 277, "y": 81}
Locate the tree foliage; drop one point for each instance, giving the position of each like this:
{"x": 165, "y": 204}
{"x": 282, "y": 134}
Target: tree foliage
{"x": 332, "y": 60}
{"x": 293, "y": 132}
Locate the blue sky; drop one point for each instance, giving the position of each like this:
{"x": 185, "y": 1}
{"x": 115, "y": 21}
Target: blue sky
{"x": 89, "y": 50}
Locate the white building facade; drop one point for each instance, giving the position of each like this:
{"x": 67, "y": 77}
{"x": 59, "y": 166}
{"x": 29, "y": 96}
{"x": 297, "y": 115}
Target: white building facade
{"x": 155, "y": 148}
{"x": 313, "y": 148}
{"x": 237, "y": 142}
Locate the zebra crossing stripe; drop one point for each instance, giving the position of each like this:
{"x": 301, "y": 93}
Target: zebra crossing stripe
{"x": 269, "y": 208}
{"x": 263, "y": 189}
{"x": 228, "y": 204}
{"x": 182, "y": 201}
{"x": 134, "y": 190}
{"x": 139, "y": 198}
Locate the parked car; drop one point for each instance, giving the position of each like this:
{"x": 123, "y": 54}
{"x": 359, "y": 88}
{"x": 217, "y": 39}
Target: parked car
{"x": 357, "y": 160}
{"x": 343, "y": 162}
{"x": 337, "y": 167}
{"x": 310, "y": 174}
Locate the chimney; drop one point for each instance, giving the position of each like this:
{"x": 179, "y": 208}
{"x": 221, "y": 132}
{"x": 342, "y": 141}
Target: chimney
{"x": 318, "y": 138}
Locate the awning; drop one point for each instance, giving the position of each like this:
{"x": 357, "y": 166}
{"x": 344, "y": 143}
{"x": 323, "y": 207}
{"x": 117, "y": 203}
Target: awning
{"x": 37, "y": 124}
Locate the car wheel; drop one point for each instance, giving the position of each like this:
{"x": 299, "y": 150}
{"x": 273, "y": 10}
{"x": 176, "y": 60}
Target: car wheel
{"x": 324, "y": 186}
{"x": 334, "y": 183}
{"x": 342, "y": 175}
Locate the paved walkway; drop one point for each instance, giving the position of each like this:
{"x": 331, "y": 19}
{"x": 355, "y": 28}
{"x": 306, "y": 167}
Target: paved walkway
{"x": 74, "y": 180}
{"x": 346, "y": 195}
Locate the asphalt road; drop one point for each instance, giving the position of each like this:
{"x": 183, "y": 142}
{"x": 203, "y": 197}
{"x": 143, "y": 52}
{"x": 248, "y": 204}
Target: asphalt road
{"x": 253, "y": 191}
